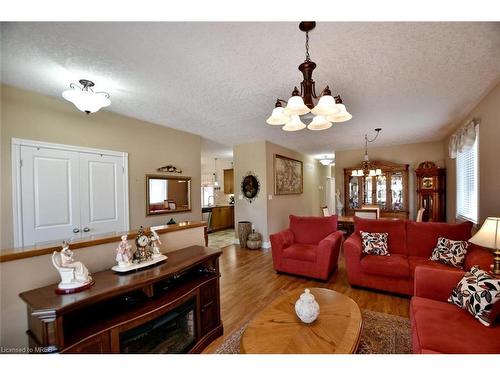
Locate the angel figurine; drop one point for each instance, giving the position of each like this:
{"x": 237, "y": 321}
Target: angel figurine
{"x": 155, "y": 241}
{"x": 124, "y": 253}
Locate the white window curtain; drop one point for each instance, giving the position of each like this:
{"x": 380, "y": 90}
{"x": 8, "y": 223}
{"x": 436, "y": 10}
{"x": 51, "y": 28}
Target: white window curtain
{"x": 463, "y": 139}
{"x": 466, "y": 155}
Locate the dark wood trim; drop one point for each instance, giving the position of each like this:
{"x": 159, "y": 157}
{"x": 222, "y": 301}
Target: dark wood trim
{"x": 7, "y": 255}
{"x": 207, "y": 339}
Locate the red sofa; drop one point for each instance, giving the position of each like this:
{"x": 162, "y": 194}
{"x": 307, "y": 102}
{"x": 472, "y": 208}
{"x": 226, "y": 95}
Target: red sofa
{"x": 439, "y": 326}
{"x": 410, "y": 245}
{"x": 309, "y": 247}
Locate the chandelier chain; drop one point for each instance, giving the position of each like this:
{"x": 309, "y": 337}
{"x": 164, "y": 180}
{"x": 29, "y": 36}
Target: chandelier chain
{"x": 308, "y": 58}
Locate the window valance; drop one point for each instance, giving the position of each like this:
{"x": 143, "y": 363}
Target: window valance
{"x": 463, "y": 139}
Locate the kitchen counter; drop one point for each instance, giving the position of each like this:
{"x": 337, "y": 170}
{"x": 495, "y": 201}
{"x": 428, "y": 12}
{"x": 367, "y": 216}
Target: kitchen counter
{"x": 209, "y": 208}
{"x": 219, "y": 217}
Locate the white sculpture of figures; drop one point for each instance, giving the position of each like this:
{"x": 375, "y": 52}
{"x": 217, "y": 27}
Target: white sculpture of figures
{"x": 339, "y": 205}
{"x": 155, "y": 242}
{"x": 73, "y": 274}
{"x": 124, "y": 253}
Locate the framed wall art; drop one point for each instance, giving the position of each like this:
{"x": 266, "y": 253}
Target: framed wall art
{"x": 288, "y": 176}
{"x": 250, "y": 186}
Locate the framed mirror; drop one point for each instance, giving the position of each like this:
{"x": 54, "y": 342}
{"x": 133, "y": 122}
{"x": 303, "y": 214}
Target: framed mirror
{"x": 167, "y": 194}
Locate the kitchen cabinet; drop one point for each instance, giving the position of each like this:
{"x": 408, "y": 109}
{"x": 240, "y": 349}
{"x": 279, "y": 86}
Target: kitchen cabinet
{"x": 222, "y": 217}
{"x": 229, "y": 181}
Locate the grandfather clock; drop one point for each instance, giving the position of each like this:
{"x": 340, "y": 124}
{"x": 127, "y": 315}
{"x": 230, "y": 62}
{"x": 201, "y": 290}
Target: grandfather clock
{"x": 431, "y": 191}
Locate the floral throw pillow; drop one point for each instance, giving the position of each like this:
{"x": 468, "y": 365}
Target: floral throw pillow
{"x": 477, "y": 293}
{"x": 374, "y": 243}
{"x": 450, "y": 252}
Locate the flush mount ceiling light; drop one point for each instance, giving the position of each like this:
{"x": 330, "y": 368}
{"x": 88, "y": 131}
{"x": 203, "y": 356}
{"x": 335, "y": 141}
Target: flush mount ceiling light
{"x": 367, "y": 167}
{"x": 326, "y": 161}
{"x": 329, "y": 108}
{"x": 84, "y": 98}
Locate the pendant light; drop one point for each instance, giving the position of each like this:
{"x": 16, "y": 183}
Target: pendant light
{"x": 84, "y": 98}
{"x": 329, "y": 108}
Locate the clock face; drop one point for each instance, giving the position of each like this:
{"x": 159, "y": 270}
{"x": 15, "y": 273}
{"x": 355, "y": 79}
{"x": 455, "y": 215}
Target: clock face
{"x": 142, "y": 241}
{"x": 427, "y": 182}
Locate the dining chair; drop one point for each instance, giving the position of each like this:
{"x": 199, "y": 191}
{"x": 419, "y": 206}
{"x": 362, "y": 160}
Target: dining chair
{"x": 371, "y": 207}
{"x": 420, "y": 214}
{"x": 366, "y": 213}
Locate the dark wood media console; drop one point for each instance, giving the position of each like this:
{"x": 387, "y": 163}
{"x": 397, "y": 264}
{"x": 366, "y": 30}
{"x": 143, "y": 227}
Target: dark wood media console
{"x": 173, "y": 307}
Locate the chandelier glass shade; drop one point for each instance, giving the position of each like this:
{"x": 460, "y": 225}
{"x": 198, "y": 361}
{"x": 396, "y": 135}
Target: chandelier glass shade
{"x": 293, "y": 124}
{"x": 326, "y": 161}
{"x": 329, "y": 108}
{"x": 84, "y": 98}
{"x": 367, "y": 167}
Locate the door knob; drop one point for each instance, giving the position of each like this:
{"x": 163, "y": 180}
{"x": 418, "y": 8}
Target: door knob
{"x": 86, "y": 229}
{"x": 76, "y": 230}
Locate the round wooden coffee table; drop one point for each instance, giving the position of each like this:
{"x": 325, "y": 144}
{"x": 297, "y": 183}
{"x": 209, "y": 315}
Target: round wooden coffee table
{"x": 277, "y": 329}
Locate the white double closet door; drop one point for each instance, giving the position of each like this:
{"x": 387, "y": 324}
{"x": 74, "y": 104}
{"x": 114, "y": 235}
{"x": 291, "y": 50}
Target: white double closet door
{"x": 70, "y": 195}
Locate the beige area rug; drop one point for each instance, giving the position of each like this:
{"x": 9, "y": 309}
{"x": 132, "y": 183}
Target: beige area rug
{"x": 382, "y": 334}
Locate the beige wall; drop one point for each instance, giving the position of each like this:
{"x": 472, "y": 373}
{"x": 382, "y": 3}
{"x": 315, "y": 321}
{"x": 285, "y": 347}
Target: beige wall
{"x": 251, "y": 157}
{"x": 41, "y": 272}
{"x": 412, "y": 154}
{"x": 269, "y": 213}
{"x": 33, "y": 116}
{"x": 306, "y": 204}
{"x": 488, "y": 113}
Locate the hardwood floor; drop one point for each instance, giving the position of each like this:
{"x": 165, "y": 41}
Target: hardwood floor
{"x": 249, "y": 282}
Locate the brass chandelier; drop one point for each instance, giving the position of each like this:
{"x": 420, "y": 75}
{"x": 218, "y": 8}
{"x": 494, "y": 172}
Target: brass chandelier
{"x": 367, "y": 167}
{"x": 329, "y": 108}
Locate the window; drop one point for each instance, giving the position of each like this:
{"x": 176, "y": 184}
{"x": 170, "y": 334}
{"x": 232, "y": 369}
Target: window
{"x": 207, "y": 195}
{"x": 468, "y": 183}
{"x": 157, "y": 191}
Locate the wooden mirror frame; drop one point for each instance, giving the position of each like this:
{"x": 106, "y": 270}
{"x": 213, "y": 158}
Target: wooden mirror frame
{"x": 149, "y": 212}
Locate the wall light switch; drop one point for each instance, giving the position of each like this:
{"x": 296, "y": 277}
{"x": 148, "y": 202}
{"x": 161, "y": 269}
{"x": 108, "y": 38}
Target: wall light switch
{"x": 270, "y": 197}
{"x": 240, "y": 197}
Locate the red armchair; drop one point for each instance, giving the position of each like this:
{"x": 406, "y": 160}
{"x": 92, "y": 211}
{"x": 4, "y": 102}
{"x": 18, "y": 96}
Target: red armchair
{"x": 438, "y": 326}
{"x": 310, "y": 247}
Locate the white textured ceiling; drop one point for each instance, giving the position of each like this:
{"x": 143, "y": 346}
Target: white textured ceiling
{"x": 220, "y": 80}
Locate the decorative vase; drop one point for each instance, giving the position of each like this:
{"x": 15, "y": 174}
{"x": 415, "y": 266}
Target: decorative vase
{"x": 244, "y": 229}
{"x": 306, "y": 307}
{"x": 254, "y": 240}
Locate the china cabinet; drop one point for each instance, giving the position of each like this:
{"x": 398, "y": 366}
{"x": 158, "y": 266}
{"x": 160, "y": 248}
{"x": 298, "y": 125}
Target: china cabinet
{"x": 431, "y": 191}
{"x": 389, "y": 190}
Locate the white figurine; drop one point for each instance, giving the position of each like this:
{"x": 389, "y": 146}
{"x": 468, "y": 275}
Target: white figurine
{"x": 74, "y": 274}
{"x": 155, "y": 241}
{"x": 124, "y": 253}
{"x": 339, "y": 206}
